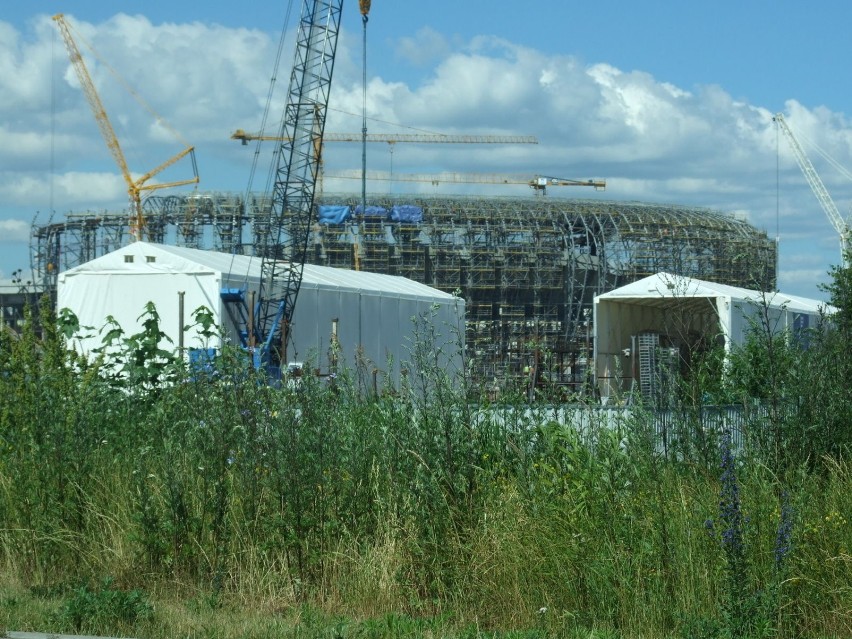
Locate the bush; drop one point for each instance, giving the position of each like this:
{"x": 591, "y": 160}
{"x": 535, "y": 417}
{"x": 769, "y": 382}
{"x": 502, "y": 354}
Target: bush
{"x": 104, "y": 609}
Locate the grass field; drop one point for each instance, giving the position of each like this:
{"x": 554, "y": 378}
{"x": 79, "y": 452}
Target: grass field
{"x": 138, "y": 500}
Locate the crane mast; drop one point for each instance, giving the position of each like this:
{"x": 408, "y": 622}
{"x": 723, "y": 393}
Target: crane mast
{"x": 283, "y": 250}
{"x": 817, "y": 186}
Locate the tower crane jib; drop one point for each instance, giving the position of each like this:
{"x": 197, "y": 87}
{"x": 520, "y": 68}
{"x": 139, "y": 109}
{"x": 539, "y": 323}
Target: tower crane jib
{"x": 539, "y": 183}
{"x": 394, "y": 138}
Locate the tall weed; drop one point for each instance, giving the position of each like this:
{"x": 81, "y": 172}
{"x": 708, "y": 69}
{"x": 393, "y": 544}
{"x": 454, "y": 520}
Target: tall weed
{"x": 421, "y": 500}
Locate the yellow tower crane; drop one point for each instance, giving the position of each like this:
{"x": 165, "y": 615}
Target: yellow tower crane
{"x": 393, "y": 138}
{"x": 538, "y": 183}
{"x": 135, "y": 187}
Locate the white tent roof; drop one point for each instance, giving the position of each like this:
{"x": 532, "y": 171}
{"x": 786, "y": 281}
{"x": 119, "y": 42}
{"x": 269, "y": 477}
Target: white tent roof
{"x": 667, "y": 286}
{"x": 686, "y": 311}
{"x": 176, "y": 259}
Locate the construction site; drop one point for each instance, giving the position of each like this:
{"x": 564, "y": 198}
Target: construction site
{"x": 527, "y": 268}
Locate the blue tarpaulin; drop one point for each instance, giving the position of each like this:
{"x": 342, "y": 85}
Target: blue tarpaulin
{"x": 372, "y": 211}
{"x": 407, "y": 213}
{"x": 334, "y": 214}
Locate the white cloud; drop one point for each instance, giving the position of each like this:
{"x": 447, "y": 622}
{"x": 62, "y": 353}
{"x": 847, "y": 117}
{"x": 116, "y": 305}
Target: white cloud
{"x": 425, "y": 47}
{"x": 14, "y": 231}
{"x": 68, "y": 191}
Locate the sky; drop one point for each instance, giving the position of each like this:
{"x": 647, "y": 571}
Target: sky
{"x": 670, "y": 102}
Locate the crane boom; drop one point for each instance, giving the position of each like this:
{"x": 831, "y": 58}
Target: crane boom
{"x": 538, "y": 182}
{"x": 105, "y": 126}
{"x": 816, "y": 185}
{"x": 393, "y": 138}
{"x": 134, "y": 187}
{"x": 297, "y": 166}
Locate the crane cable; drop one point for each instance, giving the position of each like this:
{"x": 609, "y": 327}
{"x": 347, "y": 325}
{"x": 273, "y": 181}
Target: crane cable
{"x": 266, "y": 109}
{"x": 824, "y": 154}
{"x": 395, "y": 124}
{"x": 365, "y": 11}
{"x": 127, "y": 86}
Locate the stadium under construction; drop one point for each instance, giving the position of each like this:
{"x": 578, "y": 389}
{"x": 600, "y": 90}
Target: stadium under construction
{"x": 528, "y": 268}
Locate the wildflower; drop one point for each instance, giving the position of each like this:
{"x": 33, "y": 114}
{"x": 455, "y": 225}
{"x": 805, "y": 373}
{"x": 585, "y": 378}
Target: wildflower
{"x": 784, "y": 534}
{"x": 730, "y": 507}
{"x": 733, "y": 524}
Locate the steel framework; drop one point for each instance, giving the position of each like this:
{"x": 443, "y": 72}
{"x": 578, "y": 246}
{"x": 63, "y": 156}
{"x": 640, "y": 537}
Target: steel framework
{"x": 528, "y": 268}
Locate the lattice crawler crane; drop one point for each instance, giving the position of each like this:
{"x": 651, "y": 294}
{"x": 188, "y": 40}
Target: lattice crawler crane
{"x": 264, "y": 322}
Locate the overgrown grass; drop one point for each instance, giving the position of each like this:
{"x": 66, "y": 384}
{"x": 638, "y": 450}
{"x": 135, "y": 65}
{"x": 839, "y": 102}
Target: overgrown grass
{"x": 216, "y": 505}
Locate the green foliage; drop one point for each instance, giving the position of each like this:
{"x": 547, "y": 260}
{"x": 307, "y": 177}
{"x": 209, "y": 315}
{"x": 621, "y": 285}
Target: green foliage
{"x": 104, "y": 609}
{"x": 138, "y": 362}
{"x": 840, "y": 296}
{"x": 414, "y": 509}
{"x": 801, "y": 382}
{"x": 747, "y": 611}
{"x": 825, "y": 410}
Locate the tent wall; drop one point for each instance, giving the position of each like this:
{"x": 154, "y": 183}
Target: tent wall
{"x": 374, "y": 330}
{"x": 93, "y": 297}
{"x": 748, "y": 315}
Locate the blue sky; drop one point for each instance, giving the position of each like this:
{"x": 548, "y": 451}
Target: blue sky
{"x": 670, "y": 102}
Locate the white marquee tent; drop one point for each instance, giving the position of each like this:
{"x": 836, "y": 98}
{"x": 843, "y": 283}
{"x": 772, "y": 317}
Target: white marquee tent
{"x": 682, "y": 312}
{"x": 374, "y": 312}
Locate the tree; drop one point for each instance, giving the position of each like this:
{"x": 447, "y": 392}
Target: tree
{"x": 840, "y": 295}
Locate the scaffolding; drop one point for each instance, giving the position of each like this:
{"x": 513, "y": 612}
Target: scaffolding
{"x": 527, "y": 268}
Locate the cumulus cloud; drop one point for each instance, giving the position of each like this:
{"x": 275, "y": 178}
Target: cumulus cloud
{"x": 67, "y": 191}
{"x": 425, "y": 47}
{"x": 14, "y": 231}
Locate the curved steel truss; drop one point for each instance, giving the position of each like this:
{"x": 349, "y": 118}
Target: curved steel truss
{"x": 528, "y": 268}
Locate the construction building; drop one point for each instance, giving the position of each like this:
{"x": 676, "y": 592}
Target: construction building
{"x": 16, "y": 297}
{"x": 527, "y": 268}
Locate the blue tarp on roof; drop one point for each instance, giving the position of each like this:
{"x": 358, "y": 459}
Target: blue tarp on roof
{"x": 333, "y": 214}
{"x": 372, "y": 211}
{"x": 407, "y": 213}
